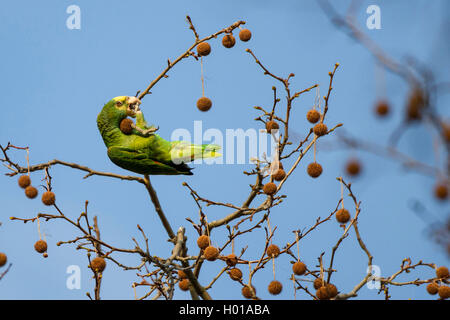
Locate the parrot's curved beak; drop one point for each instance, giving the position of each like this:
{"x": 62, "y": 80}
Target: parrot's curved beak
{"x": 133, "y": 106}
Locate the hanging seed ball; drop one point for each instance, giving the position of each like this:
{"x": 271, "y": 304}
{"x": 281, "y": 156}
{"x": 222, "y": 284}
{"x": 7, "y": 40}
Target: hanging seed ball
{"x": 318, "y": 283}
{"x": 245, "y": 35}
{"x": 270, "y": 188}
{"x": 231, "y": 260}
{"x": 322, "y": 293}
{"x": 279, "y": 175}
{"x": 184, "y": 284}
{"x": 442, "y": 273}
{"x": 40, "y": 246}
{"x": 313, "y": 116}
{"x": 331, "y": 290}
{"x": 299, "y": 268}
{"x": 48, "y": 198}
{"x": 416, "y": 102}
{"x": 211, "y": 253}
{"x": 182, "y": 275}
{"x": 444, "y": 292}
{"x": 228, "y": 41}
{"x": 31, "y": 192}
{"x": 203, "y": 241}
{"x": 320, "y": 129}
{"x": 3, "y": 259}
{"x": 24, "y": 181}
{"x": 45, "y": 255}
{"x": 273, "y": 251}
{"x": 314, "y": 169}
{"x": 98, "y": 264}
{"x": 203, "y": 48}
{"x": 126, "y": 126}
{"x": 275, "y": 287}
{"x": 271, "y": 125}
{"x": 204, "y": 104}
{"x": 235, "y": 274}
{"x": 247, "y": 291}
{"x": 382, "y": 109}
{"x": 353, "y": 167}
{"x": 441, "y": 191}
{"x": 342, "y": 216}
{"x": 432, "y": 288}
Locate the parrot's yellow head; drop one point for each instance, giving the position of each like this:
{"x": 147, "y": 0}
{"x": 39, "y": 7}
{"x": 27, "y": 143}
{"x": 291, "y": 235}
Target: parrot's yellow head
{"x": 127, "y": 104}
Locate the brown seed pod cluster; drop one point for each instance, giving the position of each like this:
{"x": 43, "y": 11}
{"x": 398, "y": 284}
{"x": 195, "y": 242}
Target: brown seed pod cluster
{"x": 272, "y": 126}
{"x": 3, "y": 259}
{"x": 314, "y": 169}
{"x": 48, "y": 198}
{"x": 275, "y": 287}
{"x": 273, "y": 251}
{"x": 318, "y": 282}
{"x": 40, "y": 246}
{"x": 228, "y": 41}
{"x": 203, "y": 241}
{"x": 181, "y": 274}
{"x": 245, "y": 35}
{"x": 382, "y": 108}
{"x": 353, "y": 167}
{"x": 247, "y": 292}
{"x": 444, "y": 292}
{"x": 342, "y": 216}
{"x": 98, "y": 264}
{"x": 320, "y": 129}
{"x": 313, "y": 116}
{"x": 231, "y": 260}
{"x": 270, "y": 188}
{"x": 235, "y": 274}
{"x": 432, "y": 288}
{"x": 31, "y": 192}
{"x": 126, "y": 126}
{"x": 442, "y": 272}
{"x": 441, "y": 191}
{"x": 203, "y": 49}
{"x": 184, "y": 284}
{"x": 279, "y": 175}
{"x": 299, "y": 268}
{"x": 415, "y": 104}
{"x": 211, "y": 253}
{"x": 24, "y": 181}
{"x": 204, "y": 104}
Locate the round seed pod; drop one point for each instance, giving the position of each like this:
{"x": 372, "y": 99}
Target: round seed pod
{"x": 31, "y": 192}
{"x": 441, "y": 191}
{"x": 382, "y": 109}
{"x": 184, "y": 284}
{"x": 270, "y": 188}
{"x": 98, "y": 264}
{"x": 48, "y": 198}
{"x": 444, "y": 292}
{"x": 279, "y": 175}
{"x": 432, "y": 288}
{"x": 126, "y": 126}
{"x": 3, "y": 259}
{"x": 416, "y": 102}
{"x": 231, "y": 260}
{"x": 203, "y": 49}
{"x": 275, "y": 287}
{"x": 342, "y": 216}
{"x": 235, "y": 274}
{"x": 322, "y": 293}
{"x": 203, "y": 241}
{"x": 320, "y": 129}
{"x": 331, "y": 290}
{"x": 211, "y": 253}
{"x": 442, "y": 273}
{"x": 245, "y": 35}
{"x": 299, "y": 268}
{"x": 228, "y": 41}
{"x": 247, "y": 292}
{"x": 181, "y": 275}
{"x": 313, "y": 116}
{"x": 272, "y": 126}
{"x": 318, "y": 282}
{"x": 353, "y": 168}
{"x": 45, "y": 255}
{"x": 204, "y": 104}
{"x": 314, "y": 169}
{"x": 40, "y": 246}
{"x": 24, "y": 181}
{"x": 273, "y": 251}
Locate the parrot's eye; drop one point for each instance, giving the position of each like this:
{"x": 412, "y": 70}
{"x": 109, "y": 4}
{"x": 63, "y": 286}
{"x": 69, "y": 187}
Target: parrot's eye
{"x": 118, "y": 103}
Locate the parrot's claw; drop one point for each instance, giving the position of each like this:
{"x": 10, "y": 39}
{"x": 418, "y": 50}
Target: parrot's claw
{"x": 151, "y": 130}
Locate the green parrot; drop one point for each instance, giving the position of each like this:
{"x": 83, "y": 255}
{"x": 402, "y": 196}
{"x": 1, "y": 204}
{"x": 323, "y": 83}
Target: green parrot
{"x": 143, "y": 151}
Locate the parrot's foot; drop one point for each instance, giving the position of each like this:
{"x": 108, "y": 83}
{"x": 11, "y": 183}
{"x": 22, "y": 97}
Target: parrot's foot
{"x": 146, "y": 132}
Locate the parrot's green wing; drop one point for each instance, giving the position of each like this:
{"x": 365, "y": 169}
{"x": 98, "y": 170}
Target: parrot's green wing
{"x": 140, "y": 162}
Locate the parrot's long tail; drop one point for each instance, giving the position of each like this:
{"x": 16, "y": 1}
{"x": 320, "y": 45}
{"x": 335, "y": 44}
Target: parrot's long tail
{"x": 186, "y": 152}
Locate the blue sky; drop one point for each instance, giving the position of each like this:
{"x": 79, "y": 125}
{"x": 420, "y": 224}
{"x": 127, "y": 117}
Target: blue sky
{"x": 56, "y": 80}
